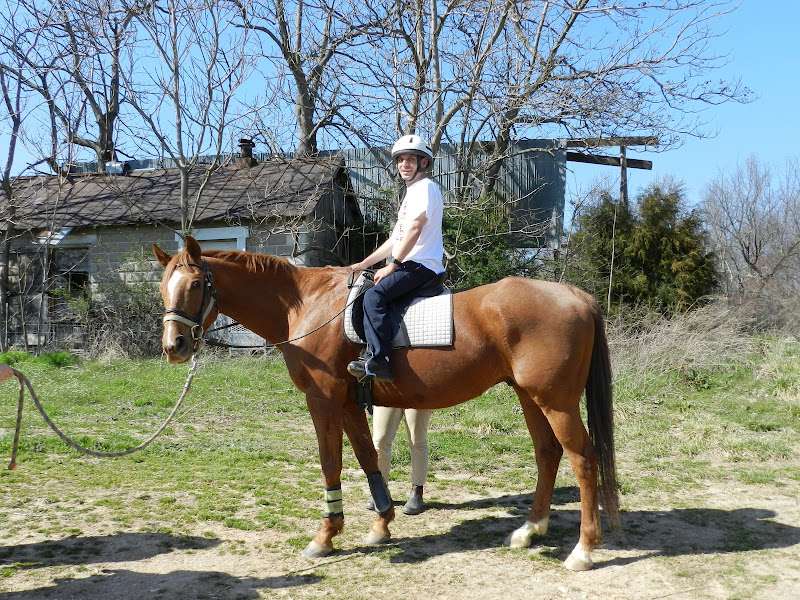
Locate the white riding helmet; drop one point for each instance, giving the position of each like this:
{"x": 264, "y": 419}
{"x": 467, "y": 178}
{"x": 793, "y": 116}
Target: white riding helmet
{"x": 412, "y": 144}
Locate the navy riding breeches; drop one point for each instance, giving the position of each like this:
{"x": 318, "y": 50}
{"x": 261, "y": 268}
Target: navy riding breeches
{"x": 385, "y": 303}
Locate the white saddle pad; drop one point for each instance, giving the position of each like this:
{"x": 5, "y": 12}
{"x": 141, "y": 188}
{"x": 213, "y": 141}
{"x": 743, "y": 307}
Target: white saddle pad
{"x": 427, "y": 322}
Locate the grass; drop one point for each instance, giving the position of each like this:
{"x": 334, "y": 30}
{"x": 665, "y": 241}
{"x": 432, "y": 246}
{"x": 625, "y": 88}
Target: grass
{"x": 245, "y": 439}
{"x": 242, "y": 455}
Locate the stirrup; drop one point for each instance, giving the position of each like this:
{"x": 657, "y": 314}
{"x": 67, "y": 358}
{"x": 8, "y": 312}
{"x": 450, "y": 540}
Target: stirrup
{"x": 358, "y": 369}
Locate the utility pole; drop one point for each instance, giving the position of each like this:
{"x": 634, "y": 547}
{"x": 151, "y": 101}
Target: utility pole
{"x": 623, "y": 177}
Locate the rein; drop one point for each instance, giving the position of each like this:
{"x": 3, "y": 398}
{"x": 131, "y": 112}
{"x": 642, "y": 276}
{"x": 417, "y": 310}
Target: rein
{"x": 181, "y": 316}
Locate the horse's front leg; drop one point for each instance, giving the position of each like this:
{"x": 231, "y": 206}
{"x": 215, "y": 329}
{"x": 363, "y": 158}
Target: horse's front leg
{"x": 327, "y": 417}
{"x": 357, "y": 429}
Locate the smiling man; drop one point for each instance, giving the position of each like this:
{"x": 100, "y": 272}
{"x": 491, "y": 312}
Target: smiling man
{"x": 416, "y": 250}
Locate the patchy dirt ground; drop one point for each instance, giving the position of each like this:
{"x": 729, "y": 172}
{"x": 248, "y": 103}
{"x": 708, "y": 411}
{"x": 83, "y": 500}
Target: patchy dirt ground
{"x": 730, "y": 541}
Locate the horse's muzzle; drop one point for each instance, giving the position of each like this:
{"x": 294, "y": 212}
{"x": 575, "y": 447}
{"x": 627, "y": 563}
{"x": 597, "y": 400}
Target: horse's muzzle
{"x": 176, "y": 346}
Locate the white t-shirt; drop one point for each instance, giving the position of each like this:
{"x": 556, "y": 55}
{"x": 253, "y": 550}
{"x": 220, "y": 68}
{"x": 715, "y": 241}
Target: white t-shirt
{"x": 422, "y": 196}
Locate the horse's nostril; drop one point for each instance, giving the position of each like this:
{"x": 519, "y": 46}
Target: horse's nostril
{"x": 180, "y": 343}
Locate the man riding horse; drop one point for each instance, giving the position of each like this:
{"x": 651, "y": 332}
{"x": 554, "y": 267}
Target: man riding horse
{"x": 416, "y": 248}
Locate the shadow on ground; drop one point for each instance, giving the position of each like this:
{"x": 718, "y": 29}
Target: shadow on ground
{"x": 518, "y": 503}
{"x": 120, "y": 547}
{"x": 124, "y": 585}
{"x": 677, "y": 532}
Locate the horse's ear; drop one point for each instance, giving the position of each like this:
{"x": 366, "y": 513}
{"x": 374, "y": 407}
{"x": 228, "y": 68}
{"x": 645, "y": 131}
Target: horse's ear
{"x": 161, "y": 256}
{"x": 193, "y": 248}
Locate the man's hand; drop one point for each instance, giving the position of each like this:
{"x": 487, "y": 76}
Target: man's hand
{"x": 384, "y": 272}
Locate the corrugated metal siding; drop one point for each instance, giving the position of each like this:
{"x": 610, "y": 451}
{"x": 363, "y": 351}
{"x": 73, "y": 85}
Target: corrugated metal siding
{"x": 532, "y": 180}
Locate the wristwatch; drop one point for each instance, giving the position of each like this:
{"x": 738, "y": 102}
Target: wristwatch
{"x": 391, "y": 260}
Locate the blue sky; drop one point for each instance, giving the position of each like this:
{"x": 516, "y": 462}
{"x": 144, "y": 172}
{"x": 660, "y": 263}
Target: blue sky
{"x": 761, "y": 41}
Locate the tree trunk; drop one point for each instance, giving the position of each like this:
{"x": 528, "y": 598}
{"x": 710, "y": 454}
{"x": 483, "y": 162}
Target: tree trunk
{"x": 498, "y": 156}
{"x": 304, "y": 109}
{"x": 5, "y": 264}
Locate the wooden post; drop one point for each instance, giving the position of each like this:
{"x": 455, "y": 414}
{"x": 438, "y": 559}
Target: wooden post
{"x": 623, "y": 177}
{"x": 613, "y": 253}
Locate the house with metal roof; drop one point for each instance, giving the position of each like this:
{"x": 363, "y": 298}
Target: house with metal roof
{"x": 78, "y": 231}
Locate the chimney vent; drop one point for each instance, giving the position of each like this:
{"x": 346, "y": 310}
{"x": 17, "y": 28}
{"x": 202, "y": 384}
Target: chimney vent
{"x": 246, "y": 159}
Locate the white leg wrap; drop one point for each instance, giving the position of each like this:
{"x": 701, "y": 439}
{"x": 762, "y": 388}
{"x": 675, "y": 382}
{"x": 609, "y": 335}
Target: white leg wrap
{"x": 580, "y": 559}
{"x": 521, "y": 538}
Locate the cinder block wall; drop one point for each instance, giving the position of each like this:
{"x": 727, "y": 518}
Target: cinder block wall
{"x": 125, "y": 252}
{"x": 315, "y": 239}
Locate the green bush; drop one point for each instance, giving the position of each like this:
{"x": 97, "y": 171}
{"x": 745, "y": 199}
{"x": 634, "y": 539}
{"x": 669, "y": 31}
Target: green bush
{"x": 660, "y": 252}
{"x": 60, "y": 358}
{"x": 478, "y": 241}
{"x": 12, "y": 357}
{"x": 53, "y": 359}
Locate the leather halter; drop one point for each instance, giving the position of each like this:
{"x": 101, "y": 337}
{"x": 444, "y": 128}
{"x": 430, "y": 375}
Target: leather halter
{"x": 206, "y": 306}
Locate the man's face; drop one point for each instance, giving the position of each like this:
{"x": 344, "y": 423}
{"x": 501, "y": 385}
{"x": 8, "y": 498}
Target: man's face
{"x": 408, "y": 166}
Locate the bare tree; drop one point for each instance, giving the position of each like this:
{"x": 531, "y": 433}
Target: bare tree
{"x": 72, "y": 54}
{"x": 493, "y": 71}
{"x": 21, "y": 85}
{"x": 94, "y": 35}
{"x": 310, "y": 41}
{"x": 753, "y": 215}
{"x": 12, "y": 104}
{"x": 192, "y": 61}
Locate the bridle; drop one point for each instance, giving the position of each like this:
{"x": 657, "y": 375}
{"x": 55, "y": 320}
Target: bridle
{"x": 206, "y": 306}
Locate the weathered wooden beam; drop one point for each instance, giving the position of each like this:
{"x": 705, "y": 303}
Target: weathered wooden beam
{"x": 612, "y": 161}
{"x": 642, "y": 140}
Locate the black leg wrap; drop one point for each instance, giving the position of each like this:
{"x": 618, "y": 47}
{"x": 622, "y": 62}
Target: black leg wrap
{"x": 379, "y": 491}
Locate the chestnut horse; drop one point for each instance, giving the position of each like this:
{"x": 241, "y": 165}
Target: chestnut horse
{"x": 546, "y": 340}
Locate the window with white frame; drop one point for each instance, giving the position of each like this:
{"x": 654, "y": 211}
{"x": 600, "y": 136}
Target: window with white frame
{"x": 219, "y": 238}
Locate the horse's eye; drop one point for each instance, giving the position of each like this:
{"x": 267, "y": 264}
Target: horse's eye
{"x": 196, "y": 283}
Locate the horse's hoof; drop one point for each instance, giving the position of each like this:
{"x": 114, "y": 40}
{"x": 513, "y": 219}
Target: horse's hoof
{"x": 579, "y": 560}
{"x": 518, "y": 539}
{"x": 376, "y": 537}
{"x": 315, "y": 550}
{"x": 522, "y": 536}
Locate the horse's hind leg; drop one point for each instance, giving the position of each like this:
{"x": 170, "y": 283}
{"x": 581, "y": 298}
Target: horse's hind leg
{"x": 571, "y": 433}
{"x": 357, "y": 429}
{"x": 548, "y": 456}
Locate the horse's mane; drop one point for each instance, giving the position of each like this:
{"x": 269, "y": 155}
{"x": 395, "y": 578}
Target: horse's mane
{"x": 251, "y": 261}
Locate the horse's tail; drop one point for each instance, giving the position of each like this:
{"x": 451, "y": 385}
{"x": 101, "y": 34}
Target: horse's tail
{"x": 599, "y": 406}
